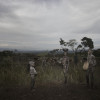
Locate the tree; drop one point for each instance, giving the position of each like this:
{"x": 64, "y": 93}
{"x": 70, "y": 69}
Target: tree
{"x": 63, "y": 45}
{"x": 72, "y": 44}
{"x": 87, "y": 42}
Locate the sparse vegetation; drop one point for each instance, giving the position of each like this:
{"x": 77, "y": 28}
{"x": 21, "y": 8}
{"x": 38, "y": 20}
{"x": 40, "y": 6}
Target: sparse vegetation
{"x": 13, "y": 70}
{"x": 15, "y": 73}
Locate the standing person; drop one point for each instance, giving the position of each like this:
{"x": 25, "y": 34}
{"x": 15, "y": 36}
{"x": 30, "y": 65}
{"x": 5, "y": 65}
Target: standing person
{"x": 33, "y": 73}
{"x": 90, "y": 71}
{"x": 65, "y": 62}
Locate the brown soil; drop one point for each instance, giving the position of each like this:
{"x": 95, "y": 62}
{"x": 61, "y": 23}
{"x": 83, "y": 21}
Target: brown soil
{"x": 51, "y": 92}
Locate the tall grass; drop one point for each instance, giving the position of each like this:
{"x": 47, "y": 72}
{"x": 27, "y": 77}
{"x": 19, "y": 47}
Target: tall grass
{"x": 55, "y": 74}
{"x": 12, "y": 74}
{"x": 49, "y": 74}
{"x": 76, "y": 74}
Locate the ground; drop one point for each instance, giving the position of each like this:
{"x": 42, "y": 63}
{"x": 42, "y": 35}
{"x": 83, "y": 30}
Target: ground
{"x": 51, "y": 92}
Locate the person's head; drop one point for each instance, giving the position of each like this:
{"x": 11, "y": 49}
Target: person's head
{"x": 89, "y": 52}
{"x": 65, "y": 53}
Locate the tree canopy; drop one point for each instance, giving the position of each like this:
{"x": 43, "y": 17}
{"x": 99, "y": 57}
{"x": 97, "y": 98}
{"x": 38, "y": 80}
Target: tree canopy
{"x": 87, "y": 42}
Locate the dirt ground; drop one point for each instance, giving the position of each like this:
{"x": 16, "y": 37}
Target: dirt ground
{"x": 51, "y": 92}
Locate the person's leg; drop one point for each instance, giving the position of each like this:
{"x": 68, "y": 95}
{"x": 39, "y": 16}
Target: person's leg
{"x": 32, "y": 83}
{"x": 87, "y": 78}
{"x": 92, "y": 79}
{"x": 65, "y": 79}
{"x": 65, "y": 75}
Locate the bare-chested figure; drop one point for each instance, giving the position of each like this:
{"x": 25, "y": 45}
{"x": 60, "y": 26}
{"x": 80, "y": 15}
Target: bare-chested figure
{"x": 90, "y": 72}
{"x": 65, "y": 62}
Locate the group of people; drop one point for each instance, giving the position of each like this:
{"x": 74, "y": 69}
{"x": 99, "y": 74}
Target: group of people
{"x": 89, "y": 71}
{"x": 65, "y": 62}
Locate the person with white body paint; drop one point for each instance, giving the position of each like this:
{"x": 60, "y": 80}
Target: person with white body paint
{"x": 91, "y": 68}
{"x": 65, "y": 62}
{"x": 33, "y": 73}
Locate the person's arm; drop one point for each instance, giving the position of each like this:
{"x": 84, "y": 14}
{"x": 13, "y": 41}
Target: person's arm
{"x": 35, "y": 72}
{"x": 94, "y": 61}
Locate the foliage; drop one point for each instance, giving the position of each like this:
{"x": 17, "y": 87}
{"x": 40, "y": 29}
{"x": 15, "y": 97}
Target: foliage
{"x": 16, "y": 76}
{"x": 13, "y": 72}
{"x": 6, "y": 63}
{"x": 49, "y": 74}
{"x": 72, "y": 44}
{"x": 63, "y": 44}
{"x": 6, "y": 53}
{"x": 54, "y": 52}
{"x": 87, "y": 42}
{"x": 97, "y": 52}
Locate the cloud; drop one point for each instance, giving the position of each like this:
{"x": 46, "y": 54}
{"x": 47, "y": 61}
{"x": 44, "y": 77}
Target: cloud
{"x": 38, "y": 24}
{"x": 47, "y": 1}
{"x": 94, "y": 28}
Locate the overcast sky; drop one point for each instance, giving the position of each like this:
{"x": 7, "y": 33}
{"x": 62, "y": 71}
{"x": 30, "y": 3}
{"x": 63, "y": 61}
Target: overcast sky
{"x": 39, "y": 24}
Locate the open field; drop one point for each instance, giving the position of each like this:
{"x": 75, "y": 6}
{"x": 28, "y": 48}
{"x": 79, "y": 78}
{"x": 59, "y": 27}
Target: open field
{"x": 15, "y": 82}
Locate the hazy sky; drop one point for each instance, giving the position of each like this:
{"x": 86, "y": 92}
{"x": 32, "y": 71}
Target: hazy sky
{"x": 38, "y": 24}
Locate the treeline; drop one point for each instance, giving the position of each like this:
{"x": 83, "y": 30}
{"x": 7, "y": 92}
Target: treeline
{"x": 16, "y": 56}
{"x": 97, "y": 53}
